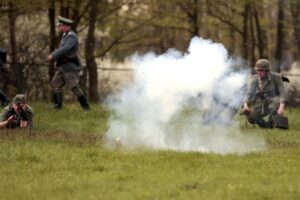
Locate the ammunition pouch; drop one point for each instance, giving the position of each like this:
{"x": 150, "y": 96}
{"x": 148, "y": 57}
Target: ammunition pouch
{"x": 264, "y": 95}
{"x": 279, "y": 121}
{"x": 65, "y": 60}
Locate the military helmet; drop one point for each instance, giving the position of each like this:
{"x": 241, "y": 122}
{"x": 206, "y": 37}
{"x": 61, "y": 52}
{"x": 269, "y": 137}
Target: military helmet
{"x": 19, "y": 99}
{"x": 262, "y": 64}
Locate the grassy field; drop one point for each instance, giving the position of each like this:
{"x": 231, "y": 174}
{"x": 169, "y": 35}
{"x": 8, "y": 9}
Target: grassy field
{"x": 64, "y": 157}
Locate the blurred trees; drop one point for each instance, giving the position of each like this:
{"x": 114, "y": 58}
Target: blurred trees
{"x": 115, "y": 29}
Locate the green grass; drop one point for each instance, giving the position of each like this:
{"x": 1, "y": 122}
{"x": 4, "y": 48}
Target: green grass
{"x": 64, "y": 157}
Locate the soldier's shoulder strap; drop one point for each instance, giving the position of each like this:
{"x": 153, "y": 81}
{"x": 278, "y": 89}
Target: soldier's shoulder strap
{"x": 29, "y": 109}
{"x": 280, "y": 76}
{"x": 71, "y": 33}
{"x": 6, "y": 112}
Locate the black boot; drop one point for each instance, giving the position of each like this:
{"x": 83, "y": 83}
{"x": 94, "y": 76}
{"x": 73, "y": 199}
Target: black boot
{"x": 262, "y": 123}
{"x": 57, "y": 100}
{"x": 84, "y": 103}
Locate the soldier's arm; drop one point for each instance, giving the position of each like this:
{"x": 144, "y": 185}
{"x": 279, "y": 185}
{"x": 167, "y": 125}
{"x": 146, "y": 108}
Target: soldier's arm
{"x": 6, "y": 122}
{"x": 28, "y": 115}
{"x": 5, "y": 114}
{"x": 251, "y": 87}
{"x": 281, "y": 89}
{"x": 71, "y": 41}
{"x": 282, "y": 94}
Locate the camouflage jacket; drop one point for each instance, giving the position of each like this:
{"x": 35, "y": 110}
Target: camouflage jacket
{"x": 66, "y": 55}
{"x": 26, "y": 115}
{"x": 271, "y": 86}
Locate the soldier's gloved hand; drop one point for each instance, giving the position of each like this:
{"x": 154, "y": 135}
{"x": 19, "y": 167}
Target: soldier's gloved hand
{"x": 280, "y": 109}
{"x": 23, "y": 124}
{"x": 50, "y": 58}
{"x": 23, "y": 106}
{"x": 246, "y": 108}
{"x": 16, "y": 107}
{"x": 10, "y": 119}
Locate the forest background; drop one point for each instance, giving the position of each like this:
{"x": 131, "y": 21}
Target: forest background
{"x": 110, "y": 31}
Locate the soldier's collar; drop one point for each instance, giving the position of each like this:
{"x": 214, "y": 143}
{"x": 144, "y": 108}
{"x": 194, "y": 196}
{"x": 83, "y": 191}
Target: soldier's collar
{"x": 266, "y": 78}
{"x": 69, "y": 32}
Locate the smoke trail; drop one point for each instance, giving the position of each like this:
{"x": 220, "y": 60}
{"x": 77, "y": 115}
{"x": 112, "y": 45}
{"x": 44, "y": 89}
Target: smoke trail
{"x": 182, "y": 102}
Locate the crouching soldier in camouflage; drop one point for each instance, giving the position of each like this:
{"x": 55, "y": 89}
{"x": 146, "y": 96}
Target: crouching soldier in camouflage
{"x": 266, "y": 95}
{"x": 68, "y": 65}
{"x": 18, "y": 114}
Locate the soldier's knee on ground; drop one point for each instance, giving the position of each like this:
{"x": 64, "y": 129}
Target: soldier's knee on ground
{"x": 251, "y": 120}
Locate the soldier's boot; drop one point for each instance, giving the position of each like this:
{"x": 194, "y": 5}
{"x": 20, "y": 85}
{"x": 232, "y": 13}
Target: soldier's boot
{"x": 57, "y": 100}
{"x": 4, "y": 100}
{"x": 262, "y": 123}
{"x": 270, "y": 120}
{"x": 84, "y": 103}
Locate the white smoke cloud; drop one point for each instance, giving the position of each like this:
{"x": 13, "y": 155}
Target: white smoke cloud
{"x": 182, "y": 102}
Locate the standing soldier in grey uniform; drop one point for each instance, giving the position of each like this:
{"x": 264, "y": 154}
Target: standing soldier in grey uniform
{"x": 18, "y": 114}
{"x": 266, "y": 95}
{"x": 68, "y": 65}
{"x": 3, "y": 97}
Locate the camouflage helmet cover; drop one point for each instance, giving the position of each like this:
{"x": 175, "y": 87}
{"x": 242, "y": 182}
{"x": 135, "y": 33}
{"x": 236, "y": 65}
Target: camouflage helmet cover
{"x": 19, "y": 99}
{"x": 262, "y": 64}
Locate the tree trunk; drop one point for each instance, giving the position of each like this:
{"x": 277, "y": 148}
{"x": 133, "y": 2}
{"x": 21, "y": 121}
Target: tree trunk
{"x": 195, "y": 18}
{"x": 295, "y": 10}
{"x": 53, "y": 39}
{"x": 253, "y": 40}
{"x": 279, "y": 41}
{"x": 64, "y": 8}
{"x": 260, "y": 34}
{"x": 89, "y": 53}
{"x": 245, "y": 31}
{"x": 75, "y": 15}
{"x": 232, "y": 45}
{"x": 13, "y": 45}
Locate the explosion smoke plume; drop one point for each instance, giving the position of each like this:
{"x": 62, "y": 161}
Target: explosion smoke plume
{"x": 179, "y": 101}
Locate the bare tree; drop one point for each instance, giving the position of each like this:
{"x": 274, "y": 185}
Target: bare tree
{"x": 12, "y": 16}
{"x": 280, "y": 34}
{"x": 295, "y": 10}
{"x": 53, "y": 37}
{"x": 89, "y": 52}
{"x": 259, "y": 32}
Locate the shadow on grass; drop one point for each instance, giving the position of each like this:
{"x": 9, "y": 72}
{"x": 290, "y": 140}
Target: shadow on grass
{"x": 53, "y": 136}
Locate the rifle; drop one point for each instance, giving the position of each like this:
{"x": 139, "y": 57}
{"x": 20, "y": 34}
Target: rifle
{"x": 245, "y": 112}
{"x": 17, "y": 117}
{"x": 249, "y": 119}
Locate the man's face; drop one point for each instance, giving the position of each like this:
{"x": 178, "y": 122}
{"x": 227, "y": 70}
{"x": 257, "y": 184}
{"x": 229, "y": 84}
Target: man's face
{"x": 262, "y": 73}
{"x": 19, "y": 106}
{"x": 60, "y": 28}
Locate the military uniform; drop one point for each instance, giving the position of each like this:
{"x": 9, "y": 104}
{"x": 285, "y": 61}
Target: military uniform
{"x": 68, "y": 67}
{"x": 23, "y": 114}
{"x": 264, "y": 96}
{"x": 3, "y": 97}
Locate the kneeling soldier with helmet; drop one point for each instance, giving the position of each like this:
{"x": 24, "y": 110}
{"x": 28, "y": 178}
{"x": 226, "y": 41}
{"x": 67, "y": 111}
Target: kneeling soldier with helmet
{"x": 18, "y": 114}
{"x": 266, "y": 96}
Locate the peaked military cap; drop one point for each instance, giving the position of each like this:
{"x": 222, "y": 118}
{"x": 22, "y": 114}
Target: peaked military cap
{"x": 19, "y": 98}
{"x": 64, "y": 20}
